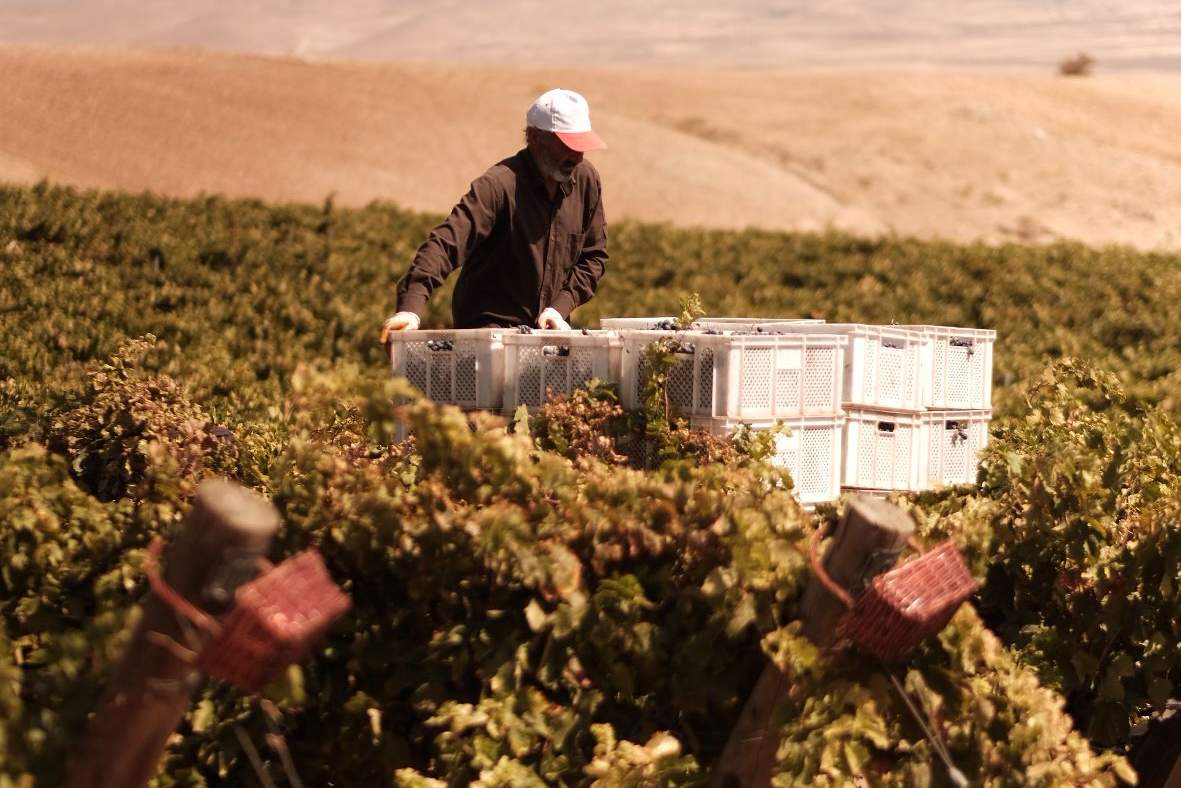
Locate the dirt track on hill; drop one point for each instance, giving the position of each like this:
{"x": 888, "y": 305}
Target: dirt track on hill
{"x": 957, "y": 155}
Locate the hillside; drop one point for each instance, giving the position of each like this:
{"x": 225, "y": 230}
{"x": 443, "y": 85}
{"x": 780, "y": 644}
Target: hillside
{"x": 692, "y": 34}
{"x": 934, "y": 154}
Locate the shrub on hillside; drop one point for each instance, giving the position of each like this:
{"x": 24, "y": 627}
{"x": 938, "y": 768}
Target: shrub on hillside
{"x": 1079, "y": 65}
{"x": 589, "y": 422}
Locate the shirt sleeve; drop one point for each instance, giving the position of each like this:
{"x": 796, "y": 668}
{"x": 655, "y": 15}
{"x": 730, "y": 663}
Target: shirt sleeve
{"x": 450, "y": 244}
{"x": 583, "y": 279}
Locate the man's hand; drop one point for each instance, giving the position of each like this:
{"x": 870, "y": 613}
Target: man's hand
{"x": 403, "y": 321}
{"x": 551, "y": 318}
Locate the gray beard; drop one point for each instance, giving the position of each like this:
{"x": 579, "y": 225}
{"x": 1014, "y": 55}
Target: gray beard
{"x": 550, "y": 171}
{"x": 556, "y": 175}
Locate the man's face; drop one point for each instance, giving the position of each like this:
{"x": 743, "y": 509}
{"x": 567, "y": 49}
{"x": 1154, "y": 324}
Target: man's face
{"x": 554, "y": 159}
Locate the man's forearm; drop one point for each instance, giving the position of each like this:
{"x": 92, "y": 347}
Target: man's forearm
{"x": 430, "y": 268}
{"x": 412, "y": 299}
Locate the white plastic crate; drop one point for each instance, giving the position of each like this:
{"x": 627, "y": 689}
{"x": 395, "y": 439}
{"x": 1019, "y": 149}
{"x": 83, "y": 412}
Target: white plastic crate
{"x": 882, "y": 449}
{"x": 463, "y": 367}
{"x": 741, "y": 376}
{"x": 952, "y": 441}
{"x": 718, "y": 323}
{"x": 881, "y": 495}
{"x": 811, "y": 452}
{"x": 956, "y": 367}
{"x": 556, "y": 362}
{"x": 635, "y": 323}
{"x": 883, "y": 364}
{"x": 756, "y": 324}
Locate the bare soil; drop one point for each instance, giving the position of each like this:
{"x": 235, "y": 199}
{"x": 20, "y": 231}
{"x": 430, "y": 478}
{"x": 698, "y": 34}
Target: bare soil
{"x": 935, "y": 153}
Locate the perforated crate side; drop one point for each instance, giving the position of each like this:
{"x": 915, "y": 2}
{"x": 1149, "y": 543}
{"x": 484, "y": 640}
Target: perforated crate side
{"x": 546, "y": 364}
{"x": 743, "y": 376}
{"x": 818, "y": 477}
{"x": 881, "y": 363}
{"x": 882, "y": 450}
{"x": 810, "y": 452}
{"x": 690, "y": 381}
{"x": 463, "y": 367}
{"x": 956, "y": 367}
{"x": 882, "y": 370}
{"x": 778, "y": 376}
{"x": 953, "y": 440}
{"x": 757, "y": 378}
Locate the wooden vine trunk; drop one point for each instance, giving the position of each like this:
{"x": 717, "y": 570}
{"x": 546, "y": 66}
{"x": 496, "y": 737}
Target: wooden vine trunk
{"x": 215, "y": 550}
{"x": 867, "y": 542}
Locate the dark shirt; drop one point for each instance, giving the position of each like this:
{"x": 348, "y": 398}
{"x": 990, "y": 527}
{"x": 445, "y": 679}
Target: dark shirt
{"x": 518, "y": 250}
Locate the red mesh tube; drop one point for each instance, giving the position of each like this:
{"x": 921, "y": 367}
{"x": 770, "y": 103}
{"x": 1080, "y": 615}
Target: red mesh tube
{"x": 910, "y": 603}
{"x": 904, "y": 606}
{"x": 278, "y": 617}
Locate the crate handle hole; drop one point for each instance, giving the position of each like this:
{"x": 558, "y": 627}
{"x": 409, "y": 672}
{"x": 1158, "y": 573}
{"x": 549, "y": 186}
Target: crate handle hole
{"x": 886, "y": 426}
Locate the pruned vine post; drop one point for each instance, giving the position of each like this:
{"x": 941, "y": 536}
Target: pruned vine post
{"x": 215, "y": 550}
{"x": 867, "y": 542}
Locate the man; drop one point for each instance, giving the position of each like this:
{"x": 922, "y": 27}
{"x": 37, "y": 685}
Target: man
{"x": 529, "y": 237}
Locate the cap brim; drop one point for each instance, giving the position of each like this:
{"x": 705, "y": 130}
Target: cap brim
{"x": 581, "y": 141}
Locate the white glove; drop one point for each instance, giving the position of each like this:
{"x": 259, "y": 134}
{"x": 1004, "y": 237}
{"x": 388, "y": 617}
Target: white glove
{"x": 403, "y": 321}
{"x": 551, "y": 318}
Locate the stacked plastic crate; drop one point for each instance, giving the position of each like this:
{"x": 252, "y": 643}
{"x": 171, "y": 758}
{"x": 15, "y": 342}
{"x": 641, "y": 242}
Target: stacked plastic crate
{"x": 462, "y": 367}
{"x": 872, "y": 408}
{"x": 498, "y": 369}
{"x": 956, "y": 379}
{"x": 727, "y": 378}
{"x": 543, "y": 364}
{"x": 882, "y": 396}
{"x": 918, "y": 403}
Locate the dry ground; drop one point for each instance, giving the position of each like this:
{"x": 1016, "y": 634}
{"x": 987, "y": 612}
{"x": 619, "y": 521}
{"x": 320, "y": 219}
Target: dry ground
{"x": 758, "y": 34}
{"x": 934, "y": 153}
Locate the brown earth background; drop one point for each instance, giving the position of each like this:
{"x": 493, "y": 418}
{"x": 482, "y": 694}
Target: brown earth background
{"x": 904, "y": 117}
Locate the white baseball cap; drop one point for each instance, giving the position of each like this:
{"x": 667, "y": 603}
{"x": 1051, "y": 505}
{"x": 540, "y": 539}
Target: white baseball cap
{"x": 567, "y": 114}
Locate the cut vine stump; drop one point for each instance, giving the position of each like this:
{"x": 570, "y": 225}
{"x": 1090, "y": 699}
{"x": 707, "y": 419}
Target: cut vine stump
{"x": 215, "y": 550}
{"x": 867, "y": 542}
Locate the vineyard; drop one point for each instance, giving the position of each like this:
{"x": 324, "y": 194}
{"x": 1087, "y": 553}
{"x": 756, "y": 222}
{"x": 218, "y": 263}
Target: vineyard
{"x": 528, "y": 607}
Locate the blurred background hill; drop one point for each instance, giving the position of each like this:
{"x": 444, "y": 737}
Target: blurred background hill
{"x": 765, "y": 34}
{"x": 938, "y": 120}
